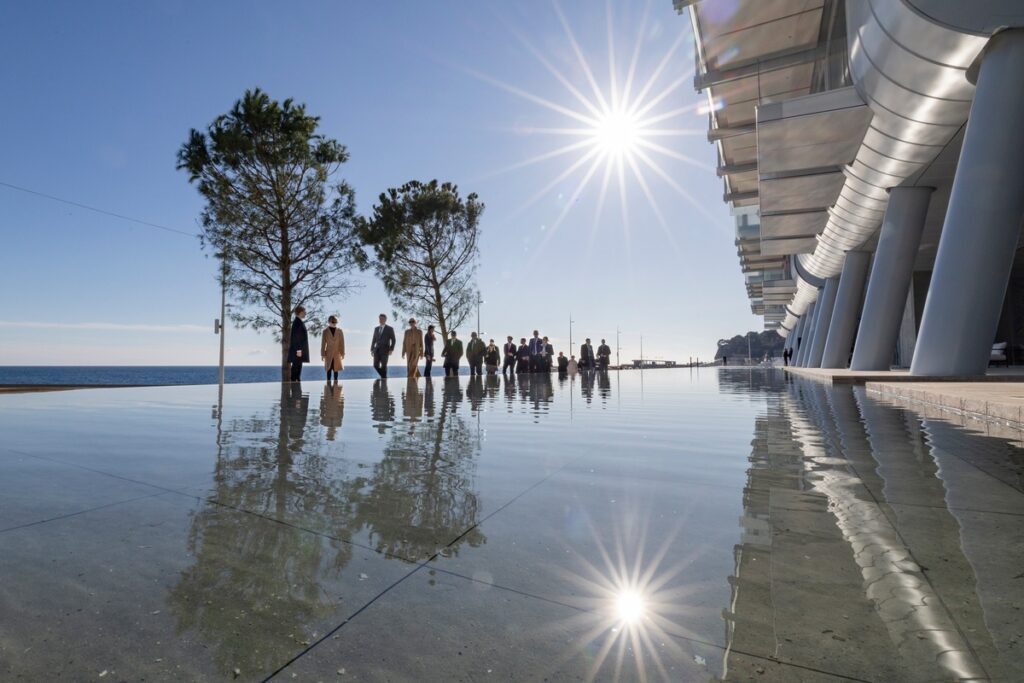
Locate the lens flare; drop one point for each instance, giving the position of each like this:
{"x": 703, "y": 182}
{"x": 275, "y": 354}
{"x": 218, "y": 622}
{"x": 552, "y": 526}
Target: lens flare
{"x": 615, "y": 125}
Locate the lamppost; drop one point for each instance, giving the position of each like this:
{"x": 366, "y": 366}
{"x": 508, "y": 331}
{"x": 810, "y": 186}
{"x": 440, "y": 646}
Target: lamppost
{"x": 220, "y": 323}
{"x": 618, "y": 347}
{"x": 218, "y": 328}
{"x": 479, "y": 300}
{"x": 570, "y": 332}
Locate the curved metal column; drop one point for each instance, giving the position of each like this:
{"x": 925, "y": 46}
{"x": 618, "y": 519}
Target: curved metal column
{"x": 846, "y": 310}
{"x": 890, "y": 278}
{"x": 825, "y": 305}
{"x": 979, "y": 237}
{"x": 805, "y": 346}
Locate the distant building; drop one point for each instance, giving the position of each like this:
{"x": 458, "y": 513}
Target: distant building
{"x": 648, "y": 363}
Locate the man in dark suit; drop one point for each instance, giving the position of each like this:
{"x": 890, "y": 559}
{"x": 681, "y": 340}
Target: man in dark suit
{"x": 382, "y": 346}
{"x": 510, "y": 356}
{"x": 587, "y": 355}
{"x": 604, "y": 354}
{"x": 549, "y": 353}
{"x": 536, "y": 352}
{"x": 452, "y": 353}
{"x": 298, "y": 344}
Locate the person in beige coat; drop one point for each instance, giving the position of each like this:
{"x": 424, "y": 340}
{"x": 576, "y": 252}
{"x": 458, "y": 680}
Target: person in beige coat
{"x": 412, "y": 349}
{"x": 332, "y": 349}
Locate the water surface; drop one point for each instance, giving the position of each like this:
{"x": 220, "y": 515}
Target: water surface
{"x": 668, "y": 525}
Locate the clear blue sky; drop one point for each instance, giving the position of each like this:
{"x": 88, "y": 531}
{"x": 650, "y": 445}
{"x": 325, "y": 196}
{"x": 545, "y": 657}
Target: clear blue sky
{"x": 99, "y": 96}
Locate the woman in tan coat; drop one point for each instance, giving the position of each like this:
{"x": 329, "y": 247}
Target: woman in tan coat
{"x": 332, "y": 349}
{"x": 412, "y": 349}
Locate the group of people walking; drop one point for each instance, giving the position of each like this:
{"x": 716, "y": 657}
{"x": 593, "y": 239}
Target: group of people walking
{"x": 537, "y": 355}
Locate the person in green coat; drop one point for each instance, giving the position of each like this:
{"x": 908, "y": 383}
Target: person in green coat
{"x": 475, "y": 351}
{"x": 452, "y": 355}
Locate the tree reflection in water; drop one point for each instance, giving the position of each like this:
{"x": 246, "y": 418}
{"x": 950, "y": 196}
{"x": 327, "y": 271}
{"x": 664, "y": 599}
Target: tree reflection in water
{"x": 254, "y": 590}
{"x": 420, "y": 497}
{"x": 257, "y": 589}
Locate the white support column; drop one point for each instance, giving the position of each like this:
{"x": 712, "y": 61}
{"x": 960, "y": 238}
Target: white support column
{"x": 979, "y": 237}
{"x": 805, "y": 344}
{"x": 847, "y": 308}
{"x": 890, "y": 277}
{"x": 826, "y": 302}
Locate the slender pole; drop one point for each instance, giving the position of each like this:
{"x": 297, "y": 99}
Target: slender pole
{"x": 749, "y": 357}
{"x": 618, "y": 347}
{"x": 641, "y": 352}
{"x": 570, "y": 333}
{"x": 223, "y": 320}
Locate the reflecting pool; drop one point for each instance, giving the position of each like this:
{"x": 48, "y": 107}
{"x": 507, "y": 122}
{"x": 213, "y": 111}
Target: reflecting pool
{"x": 668, "y": 525}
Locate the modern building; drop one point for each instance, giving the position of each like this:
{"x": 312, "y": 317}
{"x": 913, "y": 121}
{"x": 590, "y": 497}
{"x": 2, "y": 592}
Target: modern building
{"x": 872, "y": 152}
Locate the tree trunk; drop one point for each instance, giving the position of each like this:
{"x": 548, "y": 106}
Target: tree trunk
{"x": 286, "y": 299}
{"x": 439, "y": 306}
{"x": 286, "y": 333}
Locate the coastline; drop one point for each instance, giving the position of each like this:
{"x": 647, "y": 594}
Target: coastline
{"x": 34, "y": 388}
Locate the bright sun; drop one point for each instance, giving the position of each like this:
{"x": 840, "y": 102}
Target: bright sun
{"x": 617, "y": 133}
{"x": 615, "y": 128}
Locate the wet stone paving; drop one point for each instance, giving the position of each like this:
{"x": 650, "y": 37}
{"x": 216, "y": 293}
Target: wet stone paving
{"x": 671, "y": 525}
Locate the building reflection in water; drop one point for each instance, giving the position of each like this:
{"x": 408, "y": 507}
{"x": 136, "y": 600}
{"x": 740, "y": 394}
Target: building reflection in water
{"x": 858, "y": 526}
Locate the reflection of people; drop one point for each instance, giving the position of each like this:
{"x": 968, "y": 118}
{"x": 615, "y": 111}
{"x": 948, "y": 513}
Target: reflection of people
{"x": 475, "y": 391}
{"x": 294, "y": 412}
{"x": 428, "y": 350}
{"x": 491, "y": 358}
{"x": 451, "y": 396}
{"x": 382, "y": 406}
{"x": 452, "y": 355}
{"x": 412, "y": 401}
{"x": 493, "y": 384}
{"x": 604, "y": 354}
{"x": 382, "y": 346}
{"x": 475, "y": 351}
{"x": 586, "y": 355}
{"x": 587, "y": 385}
{"x": 298, "y": 344}
{"x": 332, "y": 349}
{"x": 604, "y": 384}
{"x": 412, "y": 349}
{"x": 332, "y": 408}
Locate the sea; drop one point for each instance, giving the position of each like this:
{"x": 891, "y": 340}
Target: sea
{"x": 153, "y": 375}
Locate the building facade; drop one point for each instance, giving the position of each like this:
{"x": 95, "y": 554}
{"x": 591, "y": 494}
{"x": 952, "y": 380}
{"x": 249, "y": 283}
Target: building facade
{"x": 872, "y": 152}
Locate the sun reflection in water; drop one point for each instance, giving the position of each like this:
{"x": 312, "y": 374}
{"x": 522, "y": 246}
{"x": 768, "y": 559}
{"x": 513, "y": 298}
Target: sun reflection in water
{"x": 635, "y": 603}
{"x": 629, "y": 605}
